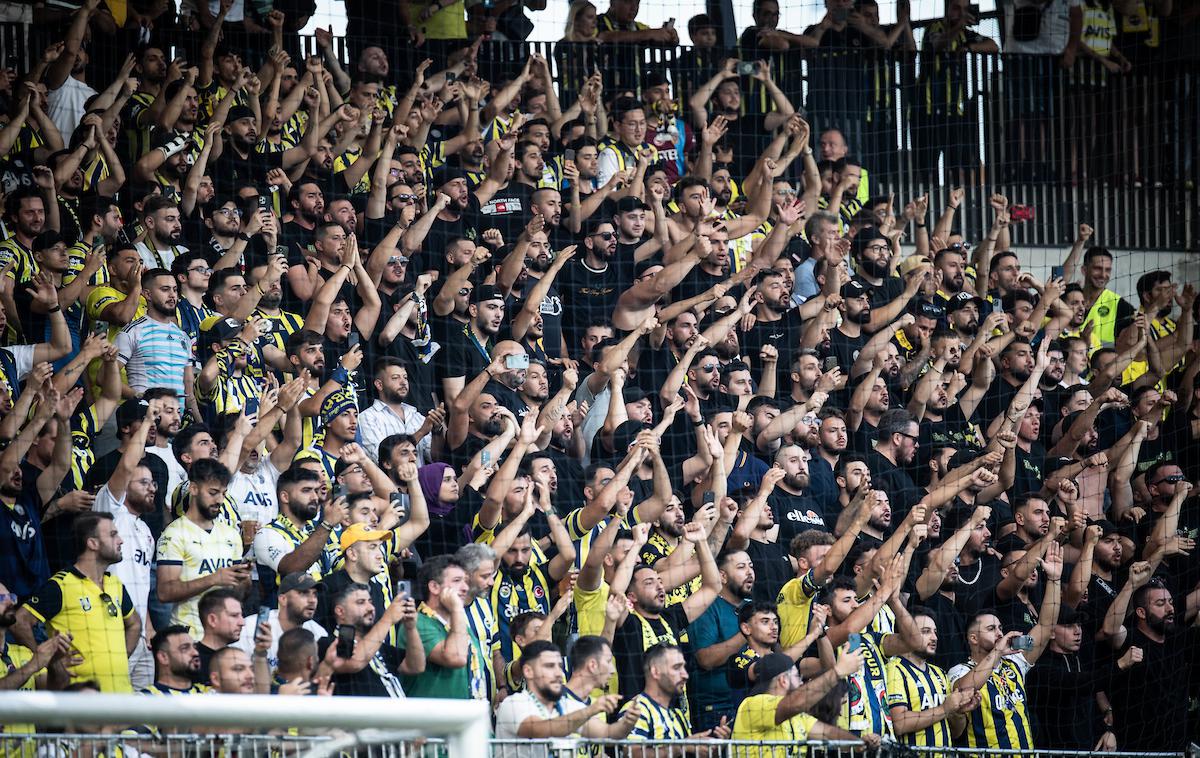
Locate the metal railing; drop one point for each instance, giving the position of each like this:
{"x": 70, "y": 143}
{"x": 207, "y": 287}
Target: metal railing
{"x": 1120, "y": 152}
{"x": 374, "y": 744}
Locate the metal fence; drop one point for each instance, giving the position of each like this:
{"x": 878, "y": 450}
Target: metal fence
{"x": 371, "y": 744}
{"x": 1118, "y": 151}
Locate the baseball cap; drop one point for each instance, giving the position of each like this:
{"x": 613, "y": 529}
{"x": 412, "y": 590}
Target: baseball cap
{"x": 767, "y": 668}
{"x": 631, "y": 203}
{"x": 962, "y": 300}
{"x": 340, "y": 467}
{"x": 929, "y": 310}
{"x": 225, "y": 328}
{"x": 911, "y": 263}
{"x": 297, "y": 580}
{"x": 641, "y": 267}
{"x": 130, "y": 411}
{"x": 853, "y": 288}
{"x": 359, "y": 533}
{"x": 1107, "y": 527}
{"x": 239, "y": 112}
{"x": 485, "y": 292}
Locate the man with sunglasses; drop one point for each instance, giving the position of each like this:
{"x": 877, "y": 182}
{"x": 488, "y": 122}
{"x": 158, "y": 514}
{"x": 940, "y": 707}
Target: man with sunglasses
{"x": 895, "y": 450}
{"x": 90, "y": 604}
{"x": 591, "y": 283}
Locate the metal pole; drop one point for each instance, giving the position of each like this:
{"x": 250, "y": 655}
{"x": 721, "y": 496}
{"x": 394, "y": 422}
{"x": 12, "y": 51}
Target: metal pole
{"x": 464, "y": 722}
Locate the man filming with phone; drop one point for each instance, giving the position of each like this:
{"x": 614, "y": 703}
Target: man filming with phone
{"x": 366, "y": 664}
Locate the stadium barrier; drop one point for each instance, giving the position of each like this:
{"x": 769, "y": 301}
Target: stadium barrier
{"x": 1120, "y": 152}
{"x": 384, "y": 744}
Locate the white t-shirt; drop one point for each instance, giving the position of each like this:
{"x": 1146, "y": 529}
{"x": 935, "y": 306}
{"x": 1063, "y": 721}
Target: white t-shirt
{"x": 246, "y": 642}
{"x": 176, "y": 473}
{"x": 519, "y": 706}
{"x": 254, "y": 493}
{"x": 65, "y": 105}
{"x": 1055, "y": 29}
{"x": 137, "y": 549}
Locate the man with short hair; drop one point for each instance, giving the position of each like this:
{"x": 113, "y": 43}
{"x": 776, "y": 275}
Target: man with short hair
{"x": 541, "y": 710}
{"x": 232, "y": 673}
{"x": 375, "y": 668}
{"x": 925, "y": 712}
{"x": 389, "y": 414}
{"x": 196, "y": 552}
{"x": 176, "y": 664}
{"x": 297, "y": 606}
{"x": 164, "y": 233}
{"x": 454, "y": 658}
{"x": 1108, "y": 312}
{"x": 221, "y": 617}
{"x": 896, "y": 449}
{"x": 153, "y": 350}
{"x": 90, "y": 605}
{"x": 662, "y": 718}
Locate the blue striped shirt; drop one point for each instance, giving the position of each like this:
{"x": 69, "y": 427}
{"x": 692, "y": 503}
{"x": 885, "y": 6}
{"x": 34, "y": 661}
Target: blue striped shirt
{"x": 155, "y": 354}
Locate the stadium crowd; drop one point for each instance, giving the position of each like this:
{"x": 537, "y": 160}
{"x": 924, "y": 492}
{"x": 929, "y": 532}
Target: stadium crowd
{"x": 634, "y": 413}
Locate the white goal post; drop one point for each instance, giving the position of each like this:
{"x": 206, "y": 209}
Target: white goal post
{"x": 465, "y": 724}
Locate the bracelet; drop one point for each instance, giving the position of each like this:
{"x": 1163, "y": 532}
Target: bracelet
{"x": 243, "y": 237}
{"x": 920, "y": 226}
{"x": 55, "y": 309}
{"x": 698, "y": 424}
{"x": 326, "y": 527}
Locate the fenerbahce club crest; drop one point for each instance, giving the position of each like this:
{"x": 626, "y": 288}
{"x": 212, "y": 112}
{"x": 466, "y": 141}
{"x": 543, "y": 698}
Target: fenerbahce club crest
{"x": 85, "y": 603}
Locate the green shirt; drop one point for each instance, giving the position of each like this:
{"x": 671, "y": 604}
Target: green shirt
{"x": 438, "y": 681}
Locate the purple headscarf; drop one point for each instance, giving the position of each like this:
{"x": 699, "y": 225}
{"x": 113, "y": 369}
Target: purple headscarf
{"x": 430, "y": 478}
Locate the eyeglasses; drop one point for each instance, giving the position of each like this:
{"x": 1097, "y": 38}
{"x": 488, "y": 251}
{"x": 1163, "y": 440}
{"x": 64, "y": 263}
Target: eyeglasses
{"x": 881, "y": 248}
{"x": 109, "y": 605}
{"x": 8, "y": 597}
{"x": 200, "y": 270}
{"x": 230, "y": 212}
{"x": 606, "y": 236}
{"x": 912, "y": 437}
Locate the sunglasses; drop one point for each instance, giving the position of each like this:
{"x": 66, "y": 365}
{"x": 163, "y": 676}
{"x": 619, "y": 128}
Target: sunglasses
{"x": 109, "y": 605}
{"x": 1172, "y": 479}
{"x": 8, "y": 597}
{"x": 397, "y": 260}
{"x": 606, "y": 236}
{"x": 402, "y": 198}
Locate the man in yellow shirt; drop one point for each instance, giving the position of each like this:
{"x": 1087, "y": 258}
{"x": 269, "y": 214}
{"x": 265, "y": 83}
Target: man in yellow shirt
{"x": 90, "y": 605}
{"x": 775, "y": 709}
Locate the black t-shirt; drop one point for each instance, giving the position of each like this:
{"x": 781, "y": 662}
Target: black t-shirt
{"x": 903, "y": 494}
{"x": 379, "y": 678}
{"x": 1062, "y": 702}
{"x": 783, "y": 334}
{"x": 694, "y": 282}
{"x": 462, "y": 355}
{"x": 1150, "y": 701}
{"x": 508, "y": 210}
{"x": 1029, "y": 470}
{"x": 231, "y": 171}
{"x": 330, "y": 586}
{"x": 469, "y": 225}
{"x": 795, "y": 514}
{"x": 772, "y": 568}
{"x": 845, "y": 348}
{"x": 551, "y": 309}
{"x": 587, "y": 295}
{"x": 996, "y": 400}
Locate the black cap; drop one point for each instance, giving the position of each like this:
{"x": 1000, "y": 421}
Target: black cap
{"x": 632, "y": 394}
{"x": 224, "y": 329}
{"x": 853, "y": 288}
{"x": 1068, "y": 616}
{"x": 1107, "y": 528}
{"x": 297, "y": 580}
{"x": 239, "y": 112}
{"x": 641, "y": 267}
{"x": 929, "y": 310}
{"x": 47, "y": 240}
{"x": 444, "y": 174}
{"x": 962, "y": 300}
{"x": 631, "y": 203}
{"x": 485, "y": 292}
{"x": 130, "y": 411}
{"x": 767, "y": 668}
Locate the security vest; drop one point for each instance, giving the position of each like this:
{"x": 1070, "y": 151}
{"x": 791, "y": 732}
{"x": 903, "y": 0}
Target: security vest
{"x": 1104, "y": 317}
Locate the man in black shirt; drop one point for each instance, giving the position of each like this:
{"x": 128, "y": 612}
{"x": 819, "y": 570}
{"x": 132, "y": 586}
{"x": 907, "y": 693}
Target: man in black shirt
{"x": 896, "y": 447}
{"x": 589, "y": 284}
{"x": 1016, "y": 366}
{"x": 791, "y": 506}
{"x": 240, "y": 164}
{"x": 468, "y": 350}
{"x": 846, "y": 341}
{"x": 376, "y": 666}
